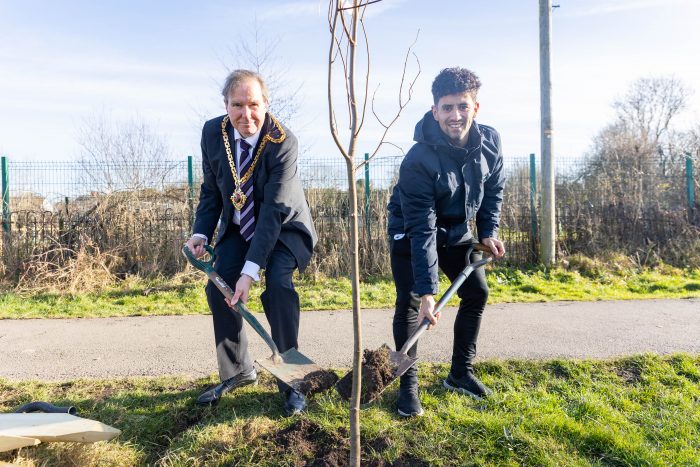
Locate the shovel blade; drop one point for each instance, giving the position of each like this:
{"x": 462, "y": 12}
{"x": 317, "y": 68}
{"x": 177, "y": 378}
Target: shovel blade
{"x": 401, "y": 362}
{"x": 291, "y": 367}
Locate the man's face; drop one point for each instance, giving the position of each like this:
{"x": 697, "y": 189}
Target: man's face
{"x": 246, "y": 107}
{"x": 455, "y": 113}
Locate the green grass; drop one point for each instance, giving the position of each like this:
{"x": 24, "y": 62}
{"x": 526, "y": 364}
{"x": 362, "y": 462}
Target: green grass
{"x": 641, "y": 410}
{"x": 137, "y": 297}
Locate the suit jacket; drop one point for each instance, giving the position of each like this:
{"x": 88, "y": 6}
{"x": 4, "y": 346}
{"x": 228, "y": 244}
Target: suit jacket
{"x": 281, "y": 211}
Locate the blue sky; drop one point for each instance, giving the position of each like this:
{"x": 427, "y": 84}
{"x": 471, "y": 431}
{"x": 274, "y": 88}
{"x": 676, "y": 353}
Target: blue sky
{"x": 162, "y": 62}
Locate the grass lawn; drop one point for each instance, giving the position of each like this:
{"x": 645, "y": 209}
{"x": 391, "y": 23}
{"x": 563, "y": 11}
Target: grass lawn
{"x": 641, "y": 410}
{"x": 185, "y": 294}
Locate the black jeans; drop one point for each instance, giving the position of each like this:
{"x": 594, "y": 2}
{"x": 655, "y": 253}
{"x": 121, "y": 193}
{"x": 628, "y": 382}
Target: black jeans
{"x": 473, "y": 295}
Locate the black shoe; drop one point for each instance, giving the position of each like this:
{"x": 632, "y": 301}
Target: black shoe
{"x": 468, "y": 385}
{"x": 212, "y": 396}
{"x": 294, "y": 402}
{"x": 408, "y": 403}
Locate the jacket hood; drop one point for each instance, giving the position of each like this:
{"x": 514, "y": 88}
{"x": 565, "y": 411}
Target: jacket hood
{"x": 428, "y": 132}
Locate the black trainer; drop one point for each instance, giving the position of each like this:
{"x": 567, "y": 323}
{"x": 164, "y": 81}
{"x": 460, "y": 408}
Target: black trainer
{"x": 408, "y": 403}
{"x": 468, "y": 385}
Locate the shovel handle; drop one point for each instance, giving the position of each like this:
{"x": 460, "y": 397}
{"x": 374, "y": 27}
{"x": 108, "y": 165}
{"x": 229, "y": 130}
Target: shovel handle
{"x": 456, "y": 284}
{"x": 227, "y": 291}
{"x": 202, "y": 265}
{"x": 240, "y": 307}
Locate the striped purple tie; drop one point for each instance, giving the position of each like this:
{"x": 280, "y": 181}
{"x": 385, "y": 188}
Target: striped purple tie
{"x": 247, "y": 213}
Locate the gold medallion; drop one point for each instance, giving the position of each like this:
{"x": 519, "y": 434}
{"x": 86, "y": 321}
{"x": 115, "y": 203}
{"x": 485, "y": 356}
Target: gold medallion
{"x": 238, "y": 198}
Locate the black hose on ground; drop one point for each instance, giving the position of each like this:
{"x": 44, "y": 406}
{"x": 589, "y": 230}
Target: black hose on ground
{"x": 46, "y": 408}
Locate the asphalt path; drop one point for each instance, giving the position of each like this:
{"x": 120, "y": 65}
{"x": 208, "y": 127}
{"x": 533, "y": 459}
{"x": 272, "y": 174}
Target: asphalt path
{"x": 64, "y": 349}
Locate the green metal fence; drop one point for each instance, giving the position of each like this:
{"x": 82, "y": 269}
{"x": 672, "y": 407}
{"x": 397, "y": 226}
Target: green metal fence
{"x": 46, "y": 203}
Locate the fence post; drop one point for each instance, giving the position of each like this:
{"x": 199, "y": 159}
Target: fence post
{"x": 190, "y": 190}
{"x": 5, "y": 198}
{"x": 533, "y": 202}
{"x": 367, "y": 205}
{"x": 690, "y": 182}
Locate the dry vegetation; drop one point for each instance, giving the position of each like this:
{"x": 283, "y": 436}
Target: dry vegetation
{"x": 97, "y": 241}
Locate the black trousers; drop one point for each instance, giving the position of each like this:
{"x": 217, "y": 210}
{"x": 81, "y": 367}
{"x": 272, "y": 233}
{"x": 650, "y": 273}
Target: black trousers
{"x": 473, "y": 295}
{"x": 280, "y": 302}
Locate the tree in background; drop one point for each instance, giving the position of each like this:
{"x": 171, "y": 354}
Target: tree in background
{"x": 257, "y": 51}
{"x": 122, "y": 155}
{"x": 649, "y": 106}
{"x": 629, "y": 197}
{"x": 633, "y": 157}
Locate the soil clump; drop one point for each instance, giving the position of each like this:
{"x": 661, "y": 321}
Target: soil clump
{"x": 314, "y": 446}
{"x": 317, "y": 381}
{"x": 377, "y": 374}
{"x": 307, "y": 440}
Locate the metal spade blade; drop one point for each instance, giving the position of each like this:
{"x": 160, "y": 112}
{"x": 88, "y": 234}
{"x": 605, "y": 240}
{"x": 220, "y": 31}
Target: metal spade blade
{"x": 290, "y": 367}
{"x": 400, "y": 360}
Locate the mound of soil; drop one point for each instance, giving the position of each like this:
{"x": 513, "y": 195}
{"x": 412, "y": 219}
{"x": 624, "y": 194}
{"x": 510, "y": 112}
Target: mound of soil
{"x": 317, "y": 381}
{"x": 377, "y": 373}
{"x": 306, "y": 439}
{"x": 314, "y": 446}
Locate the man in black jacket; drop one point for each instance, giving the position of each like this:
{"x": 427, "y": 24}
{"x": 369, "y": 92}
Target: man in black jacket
{"x": 453, "y": 174}
{"x": 252, "y": 196}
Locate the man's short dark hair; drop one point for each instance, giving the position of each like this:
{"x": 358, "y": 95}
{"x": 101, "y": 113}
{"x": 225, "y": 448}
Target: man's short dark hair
{"x": 236, "y": 77}
{"x": 455, "y": 81}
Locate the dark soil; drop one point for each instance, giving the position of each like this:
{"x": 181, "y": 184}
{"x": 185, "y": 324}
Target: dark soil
{"x": 630, "y": 373}
{"x": 307, "y": 440}
{"x": 317, "y": 381}
{"x": 558, "y": 370}
{"x": 314, "y": 446}
{"x": 377, "y": 374}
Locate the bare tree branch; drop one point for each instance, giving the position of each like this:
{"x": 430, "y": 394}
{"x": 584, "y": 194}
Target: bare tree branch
{"x": 260, "y": 55}
{"x": 361, "y": 5}
{"x": 122, "y": 154}
{"x": 402, "y": 103}
{"x": 364, "y": 100}
{"x": 331, "y": 54}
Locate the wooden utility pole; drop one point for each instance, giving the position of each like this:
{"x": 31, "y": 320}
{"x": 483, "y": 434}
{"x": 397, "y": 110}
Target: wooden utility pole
{"x": 548, "y": 226}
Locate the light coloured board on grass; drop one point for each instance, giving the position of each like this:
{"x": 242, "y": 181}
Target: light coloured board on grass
{"x": 9, "y": 442}
{"x": 55, "y": 427}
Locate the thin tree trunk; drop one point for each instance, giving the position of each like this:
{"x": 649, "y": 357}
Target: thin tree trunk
{"x": 355, "y": 441}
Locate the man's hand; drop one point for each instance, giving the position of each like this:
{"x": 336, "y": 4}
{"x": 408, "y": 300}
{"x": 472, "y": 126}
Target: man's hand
{"x": 497, "y": 248}
{"x": 242, "y": 290}
{"x": 196, "y": 246}
{"x": 427, "y": 305}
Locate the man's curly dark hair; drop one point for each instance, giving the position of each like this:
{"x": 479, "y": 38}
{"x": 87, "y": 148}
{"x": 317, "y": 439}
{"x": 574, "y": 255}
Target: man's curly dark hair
{"x": 455, "y": 81}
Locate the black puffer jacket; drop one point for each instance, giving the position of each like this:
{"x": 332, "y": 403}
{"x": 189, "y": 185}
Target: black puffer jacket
{"x": 440, "y": 188}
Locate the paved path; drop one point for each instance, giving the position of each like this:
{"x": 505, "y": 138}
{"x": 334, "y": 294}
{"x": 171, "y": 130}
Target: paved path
{"x": 183, "y": 345}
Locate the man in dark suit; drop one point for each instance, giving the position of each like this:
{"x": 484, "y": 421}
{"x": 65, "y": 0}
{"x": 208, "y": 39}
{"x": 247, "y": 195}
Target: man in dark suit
{"x": 251, "y": 191}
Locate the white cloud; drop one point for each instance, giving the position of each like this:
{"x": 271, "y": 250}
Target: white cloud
{"x": 320, "y": 8}
{"x": 616, "y": 6}
{"x": 293, "y": 9}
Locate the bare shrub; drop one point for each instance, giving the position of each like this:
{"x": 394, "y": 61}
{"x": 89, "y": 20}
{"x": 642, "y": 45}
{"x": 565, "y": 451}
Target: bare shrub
{"x": 649, "y": 237}
{"x": 330, "y": 211}
{"x": 64, "y": 270}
